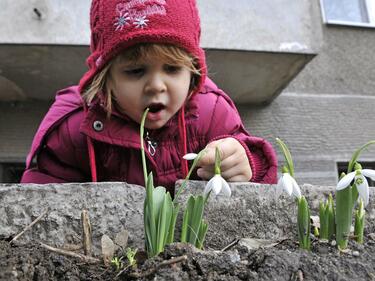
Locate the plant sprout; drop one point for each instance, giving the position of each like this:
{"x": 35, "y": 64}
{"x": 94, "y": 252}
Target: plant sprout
{"x": 194, "y": 228}
{"x": 130, "y": 255}
{"x": 349, "y": 188}
{"x": 117, "y": 262}
{"x": 289, "y": 184}
{"x": 359, "y": 223}
{"x": 160, "y": 211}
{"x": 327, "y": 219}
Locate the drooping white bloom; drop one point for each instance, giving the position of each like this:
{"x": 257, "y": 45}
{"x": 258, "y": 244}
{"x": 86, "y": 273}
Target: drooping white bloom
{"x": 360, "y": 181}
{"x": 218, "y": 184}
{"x": 190, "y": 156}
{"x": 289, "y": 184}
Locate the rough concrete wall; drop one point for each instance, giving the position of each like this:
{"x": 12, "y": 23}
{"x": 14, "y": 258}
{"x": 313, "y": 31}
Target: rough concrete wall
{"x": 18, "y": 123}
{"x": 253, "y": 211}
{"x": 112, "y": 207}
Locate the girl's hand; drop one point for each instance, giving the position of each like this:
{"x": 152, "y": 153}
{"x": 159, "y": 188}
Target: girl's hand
{"x": 234, "y": 162}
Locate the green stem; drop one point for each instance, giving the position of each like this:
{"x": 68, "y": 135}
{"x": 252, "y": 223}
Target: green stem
{"x": 217, "y": 161}
{"x": 356, "y": 154}
{"x": 142, "y": 129}
{"x": 183, "y": 185}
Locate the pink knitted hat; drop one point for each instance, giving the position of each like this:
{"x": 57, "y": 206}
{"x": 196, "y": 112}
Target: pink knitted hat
{"x": 120, "y": 24}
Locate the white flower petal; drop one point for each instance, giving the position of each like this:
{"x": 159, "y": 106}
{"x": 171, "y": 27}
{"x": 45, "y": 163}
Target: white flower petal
{"x": 287, "y": 183}
{"x": 345, "y": 181}
{"x": 296, "y": 189}
{"x": 363, "y": 189}
{"x": 369, "y": 173}
{"x": 217, "y": 184}
{"x": 226, "y": 188}
{"x": 190, "y": 156}
{"x": 208, "y": 187}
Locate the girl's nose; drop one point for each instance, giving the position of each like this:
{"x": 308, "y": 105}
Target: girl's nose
{"x": 155, "y": 84}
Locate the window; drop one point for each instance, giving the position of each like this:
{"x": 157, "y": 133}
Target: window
{"x": 11, "y": 172}
{"x": 349, "y": 12}
{"x": 343, "y": 167}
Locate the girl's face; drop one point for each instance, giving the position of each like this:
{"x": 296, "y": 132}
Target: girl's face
{"x": 152, "y": 83}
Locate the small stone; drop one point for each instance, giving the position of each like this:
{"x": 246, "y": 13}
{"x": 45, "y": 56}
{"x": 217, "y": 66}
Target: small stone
{"x": 108, "y": 249}
{"x": 355, "y": 254}
{"x": 333, "y": 243}
{"x": 121, "y": 239}
{"x": 234, "y": 257}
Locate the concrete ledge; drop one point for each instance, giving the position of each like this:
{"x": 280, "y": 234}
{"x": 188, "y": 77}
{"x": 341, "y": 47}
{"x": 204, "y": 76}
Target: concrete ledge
{"x": 114, "y": 206}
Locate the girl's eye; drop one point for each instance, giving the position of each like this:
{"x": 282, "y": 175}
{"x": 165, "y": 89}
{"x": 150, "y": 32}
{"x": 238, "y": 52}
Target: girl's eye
{"x": 135, "y": 71}
{"x": 172, "y": 68}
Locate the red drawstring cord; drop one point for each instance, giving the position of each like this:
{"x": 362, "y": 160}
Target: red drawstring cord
{"x": 182, "y": 129}
{"x": 90, "y": 146}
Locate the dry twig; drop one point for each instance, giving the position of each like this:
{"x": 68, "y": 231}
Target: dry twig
{"x": 230, "y": 245}
{"x": 163, "y": 263}
{"x": 86, "y": 233}
{"x": 84, "y": 258}
{"x": 30, "y": 225}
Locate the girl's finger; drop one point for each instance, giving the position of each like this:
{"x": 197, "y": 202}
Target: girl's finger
{"x": 204, "y": 174}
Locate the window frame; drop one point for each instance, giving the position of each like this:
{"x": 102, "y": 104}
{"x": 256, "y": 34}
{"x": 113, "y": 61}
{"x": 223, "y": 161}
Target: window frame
{"x": 370, "y": 9}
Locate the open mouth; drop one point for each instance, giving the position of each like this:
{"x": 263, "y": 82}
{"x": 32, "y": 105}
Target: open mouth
{"x": 156, "y": 107}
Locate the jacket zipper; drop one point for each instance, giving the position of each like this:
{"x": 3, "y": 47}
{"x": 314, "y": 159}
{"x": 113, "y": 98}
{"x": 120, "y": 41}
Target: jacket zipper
{"x": 151, "y": 144}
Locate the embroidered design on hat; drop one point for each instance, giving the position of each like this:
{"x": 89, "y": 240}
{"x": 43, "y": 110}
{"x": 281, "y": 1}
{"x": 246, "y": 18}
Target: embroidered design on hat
{"x": 122, "y": 20}
{"x": 137, "y": 12}
{"x": 141, "y": 22}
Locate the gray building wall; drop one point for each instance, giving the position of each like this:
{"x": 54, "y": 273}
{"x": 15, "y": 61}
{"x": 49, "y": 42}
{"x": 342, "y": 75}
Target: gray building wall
{"x": 327, "y": 111}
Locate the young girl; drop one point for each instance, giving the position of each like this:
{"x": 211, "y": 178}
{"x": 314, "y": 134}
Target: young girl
{"x": 145, "y": 54}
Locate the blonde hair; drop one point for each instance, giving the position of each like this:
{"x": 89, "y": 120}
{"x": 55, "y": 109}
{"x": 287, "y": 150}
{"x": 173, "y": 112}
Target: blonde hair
{"x": 169, "y": 53}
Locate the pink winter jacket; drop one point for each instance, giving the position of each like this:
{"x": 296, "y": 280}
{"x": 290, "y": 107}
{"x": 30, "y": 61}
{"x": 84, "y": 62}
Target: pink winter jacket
{"x": 60, "y": 144}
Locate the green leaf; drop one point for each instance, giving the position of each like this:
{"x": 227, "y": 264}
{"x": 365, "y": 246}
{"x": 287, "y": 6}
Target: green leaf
{"x": 323, "y": 218}
{"x": 172, "y": 225}
{"x": 190, "y": 208}
{"x": 303, "y": 221}
{"x": 196, "y": 219}
{"x": 359, "y": 222}
{"x": 343, "y": 216}
{"x": 202, "y": 234}
{"x": 331, "y": 218}
{"x": 169, "y": 215}
{"x": 161, "y": 225}
{"x": 287, "y": 156}
{"x": 158, "y": 196}
{"x": 185, "y": 223}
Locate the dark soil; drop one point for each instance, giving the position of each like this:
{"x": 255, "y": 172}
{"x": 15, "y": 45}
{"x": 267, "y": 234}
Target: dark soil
{"x": 285, "y": 261}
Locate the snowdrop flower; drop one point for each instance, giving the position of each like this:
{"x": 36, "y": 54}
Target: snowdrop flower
{"x": 360, "y": 181}
{"x": 218, "y": 184}
{"x": 289, "y": 184}
{"x": 190, "y": 156}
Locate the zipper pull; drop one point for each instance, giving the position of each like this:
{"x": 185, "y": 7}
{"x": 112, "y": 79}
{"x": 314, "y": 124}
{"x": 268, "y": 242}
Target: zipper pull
{"x": 151, "y": 145}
